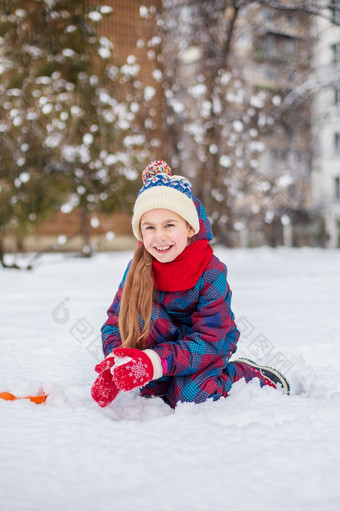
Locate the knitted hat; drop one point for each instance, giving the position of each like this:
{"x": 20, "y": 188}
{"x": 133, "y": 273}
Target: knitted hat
{"x": 161, "y": 190}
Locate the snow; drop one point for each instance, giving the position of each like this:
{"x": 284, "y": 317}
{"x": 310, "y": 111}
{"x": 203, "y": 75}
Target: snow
{"x": 197, "y": 90}
{"x": 225, "y": 160}
{"x": 258, "y": 449}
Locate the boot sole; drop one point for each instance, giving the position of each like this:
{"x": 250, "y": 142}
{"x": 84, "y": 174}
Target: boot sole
{"x": 266, "y": 371}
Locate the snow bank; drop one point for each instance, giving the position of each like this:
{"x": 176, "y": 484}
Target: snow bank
{"x": 258, "y": 449}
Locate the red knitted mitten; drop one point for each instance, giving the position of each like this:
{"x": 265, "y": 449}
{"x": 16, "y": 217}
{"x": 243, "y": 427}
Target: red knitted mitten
{"x": 135, "y": 372}
{"x": 104, "y": 389}
{"x": 107, "y": 363}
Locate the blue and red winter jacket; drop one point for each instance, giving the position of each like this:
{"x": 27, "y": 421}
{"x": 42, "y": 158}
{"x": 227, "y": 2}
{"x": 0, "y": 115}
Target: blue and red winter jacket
{"x": 193, "y": 331}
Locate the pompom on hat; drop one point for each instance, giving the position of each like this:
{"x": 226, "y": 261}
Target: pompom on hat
{"x": 161, "y": 190}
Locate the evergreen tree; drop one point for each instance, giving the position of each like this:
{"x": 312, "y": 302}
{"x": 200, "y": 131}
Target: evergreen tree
{"x": 67, "y": 114}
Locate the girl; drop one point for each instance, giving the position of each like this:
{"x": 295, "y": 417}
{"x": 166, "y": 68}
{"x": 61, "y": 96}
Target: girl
{"x": 170, "y": 329}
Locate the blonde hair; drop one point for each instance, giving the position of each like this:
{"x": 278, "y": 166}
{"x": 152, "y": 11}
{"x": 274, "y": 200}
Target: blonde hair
{"x": 136, "y": 300}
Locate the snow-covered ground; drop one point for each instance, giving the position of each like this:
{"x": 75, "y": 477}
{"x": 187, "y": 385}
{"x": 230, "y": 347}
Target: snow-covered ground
{"x": 256, "y": 450}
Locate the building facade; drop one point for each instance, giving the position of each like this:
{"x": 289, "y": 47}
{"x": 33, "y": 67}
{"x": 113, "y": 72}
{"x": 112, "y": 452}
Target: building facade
{"x": 326, "y": 123}
{"x": 275, "y": 56}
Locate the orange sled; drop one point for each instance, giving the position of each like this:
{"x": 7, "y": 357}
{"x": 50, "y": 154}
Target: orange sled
{"x": 35, "y": 399}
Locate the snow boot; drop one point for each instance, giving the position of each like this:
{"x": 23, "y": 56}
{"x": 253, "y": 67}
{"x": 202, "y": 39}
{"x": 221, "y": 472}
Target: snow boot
{"x": 267, "y": 374}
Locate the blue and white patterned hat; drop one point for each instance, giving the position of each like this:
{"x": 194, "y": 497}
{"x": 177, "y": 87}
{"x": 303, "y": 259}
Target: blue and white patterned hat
{"x": 161, "y": 190}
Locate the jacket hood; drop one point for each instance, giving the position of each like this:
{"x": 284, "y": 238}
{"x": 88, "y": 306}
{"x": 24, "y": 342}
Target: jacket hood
{"x": 205, "y": 232}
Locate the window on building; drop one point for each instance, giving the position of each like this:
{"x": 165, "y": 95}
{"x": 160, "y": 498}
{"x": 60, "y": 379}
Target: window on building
{"x": 337, "y": 143}
{"x": 268, "y": 14}
{"x": 336, "y": 52}
{"x": 277, "y": 46}
{"x": 243, "y": 41}
{"x": 335, "y": 10}
{"x": 337, "y": 187}
{"x": 270, "y": 72}
{"x": 337, "y": 96}
{"x": 290, "y": 20}
{"x": 279, "y": 154}
{"x": 290, "y": 46}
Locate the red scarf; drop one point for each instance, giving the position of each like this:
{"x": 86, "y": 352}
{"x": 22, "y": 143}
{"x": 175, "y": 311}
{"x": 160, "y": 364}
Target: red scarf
{"x": 184, "y": 271}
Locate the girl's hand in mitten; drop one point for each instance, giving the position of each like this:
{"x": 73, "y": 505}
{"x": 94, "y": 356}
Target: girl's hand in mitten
{"x": 135, "y": 368}
{"x": 107, "y": 363}
{"x": 104, "y": 389}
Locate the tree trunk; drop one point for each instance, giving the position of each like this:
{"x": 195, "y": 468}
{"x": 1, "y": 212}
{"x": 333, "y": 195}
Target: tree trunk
{"x": 85, "y": 232}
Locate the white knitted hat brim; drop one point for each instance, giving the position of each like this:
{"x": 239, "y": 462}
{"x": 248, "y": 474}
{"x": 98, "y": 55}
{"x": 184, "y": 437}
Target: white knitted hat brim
{"x": 164, "y": 197}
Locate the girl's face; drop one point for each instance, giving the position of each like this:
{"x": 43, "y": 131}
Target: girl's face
{"x": 165, "y": 234}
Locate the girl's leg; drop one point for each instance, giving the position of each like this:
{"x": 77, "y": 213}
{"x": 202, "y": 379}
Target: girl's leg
{"x": 197, "y": 388}
{"x": 237, "y": 370}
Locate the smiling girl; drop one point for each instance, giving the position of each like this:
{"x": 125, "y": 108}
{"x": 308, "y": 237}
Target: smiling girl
{"x": 170, "y": 329}
{"x": 165, "y": 234}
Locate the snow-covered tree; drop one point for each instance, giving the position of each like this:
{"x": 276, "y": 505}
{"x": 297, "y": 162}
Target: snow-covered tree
{"x": 220, "y": 118}
{"x": 69, "y": 132}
